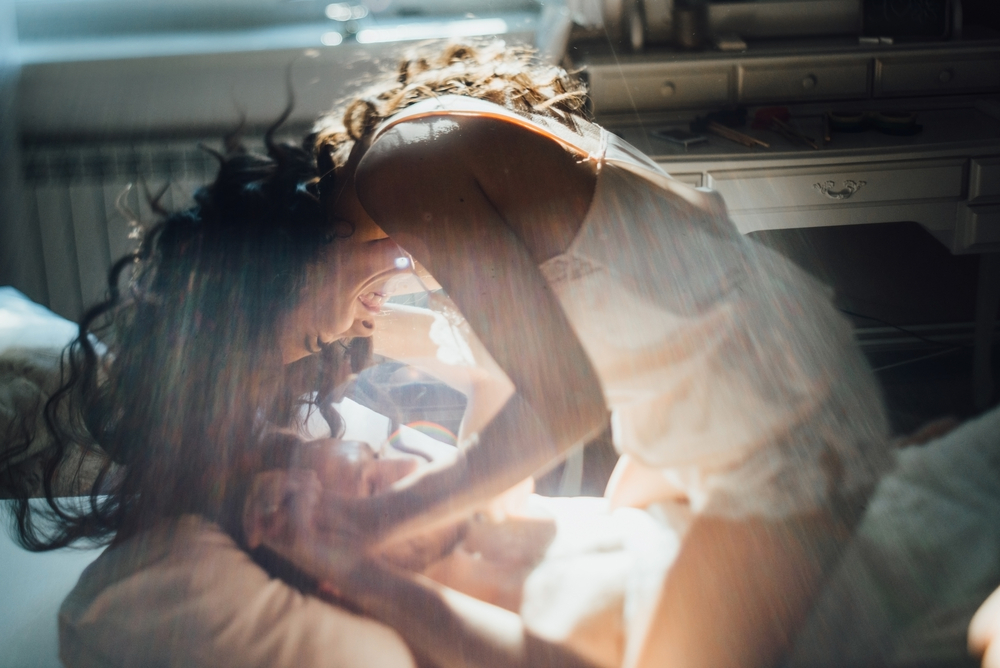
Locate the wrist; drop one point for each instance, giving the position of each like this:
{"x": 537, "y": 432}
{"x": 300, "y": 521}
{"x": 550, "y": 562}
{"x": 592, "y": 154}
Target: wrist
{"x": 417, "y": 502}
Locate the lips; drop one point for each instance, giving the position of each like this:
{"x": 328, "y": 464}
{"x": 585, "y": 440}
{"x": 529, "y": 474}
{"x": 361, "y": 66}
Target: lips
{"x": 372, "y": 301}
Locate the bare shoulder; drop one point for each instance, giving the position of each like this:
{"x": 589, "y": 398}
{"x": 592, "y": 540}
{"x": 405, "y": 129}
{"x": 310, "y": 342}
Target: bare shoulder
{"x": 524, "y": 175}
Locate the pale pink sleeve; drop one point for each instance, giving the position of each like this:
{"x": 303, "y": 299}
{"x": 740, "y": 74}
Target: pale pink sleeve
{"x": 190, "y": 597}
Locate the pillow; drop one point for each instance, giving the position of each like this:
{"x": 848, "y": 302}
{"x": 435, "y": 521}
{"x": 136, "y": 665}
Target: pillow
{"x": 922, "y": 561}
{"x": 32, "y": 339}
{"x": 25, "y": 324}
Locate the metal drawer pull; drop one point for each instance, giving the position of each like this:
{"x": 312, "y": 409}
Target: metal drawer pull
{"x": 850, "y": 187}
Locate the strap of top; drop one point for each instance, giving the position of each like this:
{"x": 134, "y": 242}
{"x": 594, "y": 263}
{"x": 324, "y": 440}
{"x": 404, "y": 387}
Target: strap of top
{"x": 589, "y": 142}
{"x": 623, "y": 155}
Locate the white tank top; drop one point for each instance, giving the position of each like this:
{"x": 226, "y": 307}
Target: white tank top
{"x": 724, "y": 365}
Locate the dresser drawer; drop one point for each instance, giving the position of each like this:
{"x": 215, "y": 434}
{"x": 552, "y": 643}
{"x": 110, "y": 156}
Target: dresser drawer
{"x": 653, "y": 86}
{"x": 984, "y": 179}
{"x": 693, "y": 179}
{"x": 776, "y": 84}
{"x": 908, "y": 77}
{"x": 978, "y": 229}
{"x": 839, "y": 185}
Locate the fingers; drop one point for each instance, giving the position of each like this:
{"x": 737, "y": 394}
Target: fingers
{"x": 379, "y": 474}
{"x": 350, "y": 469}
{"x": 319, "y": 515}
{"x": 984, "y": 629}
{"x": 419, "y": 552}
{"x": 280, "y": 506}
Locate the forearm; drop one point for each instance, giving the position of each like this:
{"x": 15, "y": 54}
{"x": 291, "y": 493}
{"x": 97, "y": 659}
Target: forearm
{"x": 513, "y": 446}
{"x": 449, "y": 628}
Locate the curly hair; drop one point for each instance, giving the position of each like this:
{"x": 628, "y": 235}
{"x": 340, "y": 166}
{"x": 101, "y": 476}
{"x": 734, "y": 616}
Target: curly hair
{"x": 180, "y": 399}
{"x": 511, "y": 77}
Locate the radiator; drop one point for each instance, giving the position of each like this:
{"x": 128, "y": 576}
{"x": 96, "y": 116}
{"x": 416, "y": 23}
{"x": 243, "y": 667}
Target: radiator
{"x": 82, "y": 198}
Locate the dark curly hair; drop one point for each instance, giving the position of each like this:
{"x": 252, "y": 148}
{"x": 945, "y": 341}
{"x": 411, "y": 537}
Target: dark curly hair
{"x": 179, "y": 401}
{"x": 512, "y": 77}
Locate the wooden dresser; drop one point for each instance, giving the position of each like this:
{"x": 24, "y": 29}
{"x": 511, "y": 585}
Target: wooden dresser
{"x": 946, "y": 177}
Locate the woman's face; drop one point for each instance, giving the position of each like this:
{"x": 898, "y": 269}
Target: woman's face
{"x": 345, "y": 289}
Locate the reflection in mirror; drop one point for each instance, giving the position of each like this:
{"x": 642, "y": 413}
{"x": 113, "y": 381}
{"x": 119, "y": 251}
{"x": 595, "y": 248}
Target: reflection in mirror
{"x": 432, "y": 386}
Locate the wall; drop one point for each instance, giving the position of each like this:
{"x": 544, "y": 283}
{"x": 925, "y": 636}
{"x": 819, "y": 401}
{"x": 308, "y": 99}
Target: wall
{"x": 20, "y": 242}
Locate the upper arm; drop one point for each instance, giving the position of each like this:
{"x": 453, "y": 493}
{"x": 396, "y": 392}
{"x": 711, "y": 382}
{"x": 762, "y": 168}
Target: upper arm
{"x": 422, "y": 184}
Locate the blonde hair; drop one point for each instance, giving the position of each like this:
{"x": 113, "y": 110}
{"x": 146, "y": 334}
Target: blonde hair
{"x": 511, "y": 77}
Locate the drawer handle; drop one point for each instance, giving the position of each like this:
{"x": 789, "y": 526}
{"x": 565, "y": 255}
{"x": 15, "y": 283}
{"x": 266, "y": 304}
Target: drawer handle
{"x": 850, "y": 187}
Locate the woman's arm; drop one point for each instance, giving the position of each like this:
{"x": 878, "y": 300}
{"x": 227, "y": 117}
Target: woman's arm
{"x": 451, "y": 629}
{"x": 427, "y": 188}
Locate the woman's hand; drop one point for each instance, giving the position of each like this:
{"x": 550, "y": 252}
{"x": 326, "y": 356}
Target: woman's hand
{"x": 282, "y": 512}
{"x": 323, "y": 513}
{"x": 494, "y": 559}
{"x": 281, "y": 507}
{"x": 313, "y": 514}
{"x": 350, "y": 469}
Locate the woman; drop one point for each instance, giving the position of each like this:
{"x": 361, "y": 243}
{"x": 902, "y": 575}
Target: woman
{"x": 197, "y": 385}
{"x": 597, "y": 282}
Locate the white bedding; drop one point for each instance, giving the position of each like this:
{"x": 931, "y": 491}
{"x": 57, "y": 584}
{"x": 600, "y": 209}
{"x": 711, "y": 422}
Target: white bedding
{"x": 25, "y": 324}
